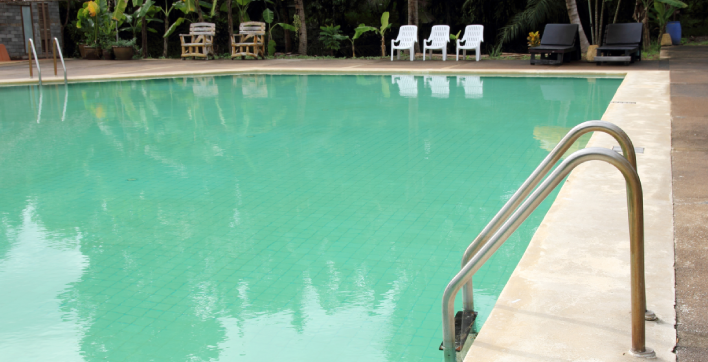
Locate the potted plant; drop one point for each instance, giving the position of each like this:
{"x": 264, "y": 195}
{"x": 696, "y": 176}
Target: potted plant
{"x": 105, "y": 43}
{"x": 133, "y": 22}
{"x": 107, "y": 52}
{"x": 87, "y": 19}
{"x": 124, "y": 49}
{"x": 99, "y": 28}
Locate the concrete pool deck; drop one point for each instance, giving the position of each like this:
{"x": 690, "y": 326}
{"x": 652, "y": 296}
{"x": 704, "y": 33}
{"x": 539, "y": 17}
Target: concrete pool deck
{"x": 92, "y": 70}
{"x": 568, "y": 298}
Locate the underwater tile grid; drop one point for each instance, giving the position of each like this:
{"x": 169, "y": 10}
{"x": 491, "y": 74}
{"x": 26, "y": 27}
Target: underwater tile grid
{"x": 244, "y": 218}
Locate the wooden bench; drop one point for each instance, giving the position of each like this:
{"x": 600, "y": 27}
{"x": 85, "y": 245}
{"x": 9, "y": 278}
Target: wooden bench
{"x": 251, "y": 40}
{"x": 201, "y": 41}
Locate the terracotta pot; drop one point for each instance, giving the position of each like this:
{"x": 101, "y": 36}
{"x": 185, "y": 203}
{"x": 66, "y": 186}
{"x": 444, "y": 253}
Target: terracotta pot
{"x": 91, "y": 53}
{"x": 107, "y": 54}
{"x": 123, "y": 53}
{"x": 82, "y": 51}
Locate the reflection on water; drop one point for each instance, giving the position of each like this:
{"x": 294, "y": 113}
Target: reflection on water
{"x": 549, "y": 136}
{"x": 260, "y": 217}
{"x": 407, "y": 85}
{"x": 36, "y": 274}
{"x": 438, "y": 84}
{"x": 473, "y": 86}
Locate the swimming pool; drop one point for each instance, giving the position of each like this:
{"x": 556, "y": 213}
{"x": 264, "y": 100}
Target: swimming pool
{"x": 302, "y": 218}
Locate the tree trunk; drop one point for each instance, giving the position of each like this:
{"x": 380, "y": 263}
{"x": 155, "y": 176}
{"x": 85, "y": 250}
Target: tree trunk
{"x": 641, "y": 15}
{"x": 413, "y": 18}
{"x": 144, "y": 38}
{"x": 602, "y": 23}
{"x": 596, "y": 38}
{"x": 199, "y": 11}
{"x": 286, "y": 33}
{"x": 230, "y": 20}
{"x": 300, "y": 9}
{"x": 575, "y": 19}
{"x": 383, "y": 45}
{"x": 353, "y": 51}
{"x": 592, "y": 28}
{"x": 66, "y": 21}
{"x": 167, "y": 27}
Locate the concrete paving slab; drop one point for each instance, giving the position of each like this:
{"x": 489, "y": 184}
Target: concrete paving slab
{"x": 569, "y": 297}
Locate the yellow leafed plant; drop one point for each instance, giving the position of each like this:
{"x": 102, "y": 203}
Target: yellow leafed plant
{"x": 534, "y": 39}
{"x": 93, "y": 8}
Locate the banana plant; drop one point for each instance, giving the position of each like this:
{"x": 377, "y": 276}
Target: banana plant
{"x": 241, "y": 6}
{"x": 295, "y": 29}
{"x": 664, "y": 9}
{"x": 361, "y": 29}
{"x": 385, "y": 25}
{"x": 146, "y": 10}
{"x": 168, "y": 30}
{"x": 455, "y": 36}
{"x": 268, "y": 17}
{"x": 186, "y": 7}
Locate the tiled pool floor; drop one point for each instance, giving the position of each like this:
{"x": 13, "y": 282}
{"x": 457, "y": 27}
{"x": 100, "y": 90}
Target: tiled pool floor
{"x": 231, "y": 218}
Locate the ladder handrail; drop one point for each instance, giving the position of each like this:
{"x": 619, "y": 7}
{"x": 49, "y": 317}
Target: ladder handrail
{"x": 56, "y": 42}
{"x": 635, "y": 208}
{"x": 534, "y": 179}
{"x": 36, "y": 60}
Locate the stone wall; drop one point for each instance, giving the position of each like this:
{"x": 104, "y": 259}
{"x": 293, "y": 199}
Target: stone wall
{"x": 12, "y": 35}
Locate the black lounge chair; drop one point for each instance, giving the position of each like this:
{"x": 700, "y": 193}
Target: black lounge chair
{"x": 623, "y": 43}
{"x": 558, "y": 40}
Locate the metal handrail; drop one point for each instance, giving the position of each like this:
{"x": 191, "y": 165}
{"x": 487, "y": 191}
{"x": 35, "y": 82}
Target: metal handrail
{"x": 56, "y": 42}
{"x": 635, "y": 206}
{"x": 532, "y": 181}
{"x": 39, "y": 71}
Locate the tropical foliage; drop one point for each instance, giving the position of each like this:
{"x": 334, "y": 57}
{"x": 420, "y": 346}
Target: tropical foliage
{"x": 332, "y": 37}
{"x": 304, "y": 26}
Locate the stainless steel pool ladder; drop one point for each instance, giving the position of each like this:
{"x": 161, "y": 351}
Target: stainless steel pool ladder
{"x": 54, "y": 53}
{"x": 39, "y": 70}
{"x": 505, "y": 223}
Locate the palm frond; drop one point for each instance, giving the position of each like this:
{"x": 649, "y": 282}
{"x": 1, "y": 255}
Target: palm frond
{"x": 536, "y": 13}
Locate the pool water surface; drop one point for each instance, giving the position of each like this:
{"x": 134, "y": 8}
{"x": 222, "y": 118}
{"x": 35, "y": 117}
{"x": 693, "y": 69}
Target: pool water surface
{"x": 263, "y": 217}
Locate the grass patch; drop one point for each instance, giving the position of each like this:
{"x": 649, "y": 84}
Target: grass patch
{"x": 699, "y": 41}
{"x": 653, "y": 52}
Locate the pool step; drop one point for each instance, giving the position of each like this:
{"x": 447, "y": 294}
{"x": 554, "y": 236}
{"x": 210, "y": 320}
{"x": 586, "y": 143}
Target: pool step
{"x": 468, "y": 321}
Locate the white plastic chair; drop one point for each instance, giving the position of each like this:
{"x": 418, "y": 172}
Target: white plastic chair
{"x": 407, "y": 37}
{"x": 407, "y": 85}
{"x": 438, "y": 84}
{"x": 472, "y": 39}
{"x": 439, "y": 37}
{"x": 473, "y": 85}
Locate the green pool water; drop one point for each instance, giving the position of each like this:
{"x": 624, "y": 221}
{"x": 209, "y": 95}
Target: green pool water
{"x": 261, "y": 218}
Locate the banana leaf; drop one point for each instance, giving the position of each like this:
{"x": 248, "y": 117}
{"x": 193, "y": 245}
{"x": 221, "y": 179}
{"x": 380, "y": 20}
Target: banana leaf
{"x": 174, "y": 27}
{"x": 268, "y": 16}
{"x": 119, "y": 9}
{"x": 674, "y": 3}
